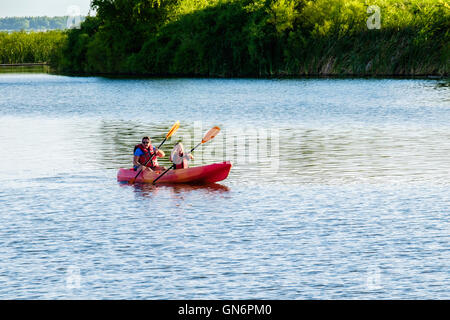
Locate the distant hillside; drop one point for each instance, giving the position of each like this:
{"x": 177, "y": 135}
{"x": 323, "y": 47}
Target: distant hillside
{"x": 33, "y": 23}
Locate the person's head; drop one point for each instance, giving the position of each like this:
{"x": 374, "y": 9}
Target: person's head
{"x": 146, "y": 141}
{"x": 178, "y": 147}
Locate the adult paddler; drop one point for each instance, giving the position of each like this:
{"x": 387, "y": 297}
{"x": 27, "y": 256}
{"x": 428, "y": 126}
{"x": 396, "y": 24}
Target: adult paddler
{"x": 143, "y": 152}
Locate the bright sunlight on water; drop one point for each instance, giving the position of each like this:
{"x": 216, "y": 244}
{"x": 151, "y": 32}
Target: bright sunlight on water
{"x": 339, "y": 189}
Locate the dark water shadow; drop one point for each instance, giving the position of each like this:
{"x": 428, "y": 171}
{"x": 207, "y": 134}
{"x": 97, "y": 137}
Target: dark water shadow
{"x": 24, "y": 69}
{"x": 148, "y": 190}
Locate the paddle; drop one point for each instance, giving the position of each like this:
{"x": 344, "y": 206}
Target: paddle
{"x": 168, "y": 135}
{"x": 208, "y": 136}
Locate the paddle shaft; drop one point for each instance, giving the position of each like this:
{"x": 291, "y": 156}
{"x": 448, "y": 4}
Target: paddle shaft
{"x": 209, "y": 135}
{"x": 154, "y": 155}
{"x": 195, "y": 147}
{"x": 173, "y": 166}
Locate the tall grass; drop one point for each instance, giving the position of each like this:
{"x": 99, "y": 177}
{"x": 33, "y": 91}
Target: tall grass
{"x": 34, "y": 47}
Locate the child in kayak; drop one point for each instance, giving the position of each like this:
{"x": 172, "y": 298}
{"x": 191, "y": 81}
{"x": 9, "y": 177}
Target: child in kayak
{"x": 179, "y": 158}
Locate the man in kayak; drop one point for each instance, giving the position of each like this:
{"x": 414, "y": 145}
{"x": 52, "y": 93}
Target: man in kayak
{"x": 143, "y": 153}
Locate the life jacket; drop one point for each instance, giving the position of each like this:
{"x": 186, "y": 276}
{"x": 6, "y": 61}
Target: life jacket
{"x": 183, "y": 165}
{"x": 148, "y": 153}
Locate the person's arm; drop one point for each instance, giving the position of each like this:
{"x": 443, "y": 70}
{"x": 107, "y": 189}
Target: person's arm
{"x": 136, "y": 161}
{"x": 137, "y": 154}
{"x": 160, "y": 153}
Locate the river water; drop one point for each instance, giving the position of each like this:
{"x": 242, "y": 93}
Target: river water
{"x": 340, "y": 189}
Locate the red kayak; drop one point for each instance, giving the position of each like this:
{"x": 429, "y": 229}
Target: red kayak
{"x": 204, "y": 174}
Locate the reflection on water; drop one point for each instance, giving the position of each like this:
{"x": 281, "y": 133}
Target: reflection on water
{"x": 177, "y": 190}
{"x": 24, "y": 69}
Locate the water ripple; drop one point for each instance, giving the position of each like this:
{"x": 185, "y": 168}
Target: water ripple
{"x": 350, "y": 201}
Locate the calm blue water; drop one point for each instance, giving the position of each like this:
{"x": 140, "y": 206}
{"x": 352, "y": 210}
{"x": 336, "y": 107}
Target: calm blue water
{"x": 340, "y": 189}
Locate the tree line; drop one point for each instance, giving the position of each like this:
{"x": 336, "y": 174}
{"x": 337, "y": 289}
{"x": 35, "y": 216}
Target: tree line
{"x": 240, "y": 38}
{"x": 33, "y": 23}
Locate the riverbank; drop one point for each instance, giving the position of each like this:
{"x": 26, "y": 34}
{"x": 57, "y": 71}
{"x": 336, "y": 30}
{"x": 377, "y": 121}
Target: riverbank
{"x": 24, "y": 64}
{"x": 47, "y": 68}
{"x": 280, "y": 76}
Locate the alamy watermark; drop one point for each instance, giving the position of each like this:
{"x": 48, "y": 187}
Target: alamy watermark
{"x": 74, "y": 17}
{"x": 374, "y": 21}
{"x": 373, "y": 278}
{"x": 256, "y": 147}
{"x": 73, "y": 278}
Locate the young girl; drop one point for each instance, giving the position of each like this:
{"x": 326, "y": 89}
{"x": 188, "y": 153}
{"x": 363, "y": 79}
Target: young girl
{"x": 179, "y": 158}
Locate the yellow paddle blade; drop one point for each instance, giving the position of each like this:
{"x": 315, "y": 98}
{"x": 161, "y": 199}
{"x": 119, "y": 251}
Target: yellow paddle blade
{"x": 173, "y": 130}
{"x": 211, "y": 134}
